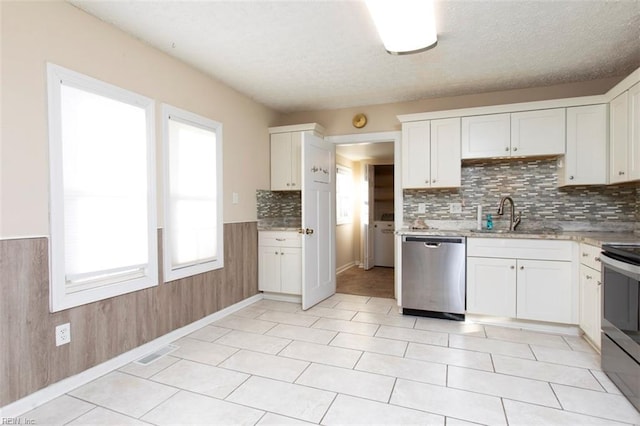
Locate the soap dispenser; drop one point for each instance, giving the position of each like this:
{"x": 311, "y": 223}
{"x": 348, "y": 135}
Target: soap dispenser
{"x": 489, "y": 222}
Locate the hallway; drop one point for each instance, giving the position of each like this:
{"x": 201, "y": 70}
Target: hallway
{"x": 376, "y": 282}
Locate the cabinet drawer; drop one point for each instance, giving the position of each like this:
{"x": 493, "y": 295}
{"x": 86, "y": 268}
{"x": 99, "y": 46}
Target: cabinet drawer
{"x": 590, "y": 256}
{"x": 279, "y": 239}
{"x": 511, "y": 248}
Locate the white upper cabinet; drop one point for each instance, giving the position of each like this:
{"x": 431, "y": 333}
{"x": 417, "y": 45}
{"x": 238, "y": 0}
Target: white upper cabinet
{"x": 445, "y": 153}
{"x": 586, "y": 158}
{"x": 431, "y": 154}
{"x": 624, "y": 151}
{"x": 519, "y": 134}
{"x": 619, "y": 138}
{"x": 634, "y": 132}
{"x": 285, "y": 161}
{"x": 539, "y": 132}
{"x": 486, "y": 136}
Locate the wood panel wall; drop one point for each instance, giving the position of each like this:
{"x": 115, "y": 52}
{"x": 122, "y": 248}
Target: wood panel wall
{"x": 29, "y": 358}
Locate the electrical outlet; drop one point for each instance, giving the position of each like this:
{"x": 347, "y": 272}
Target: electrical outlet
{"x": 234, "y": 198}
{"x": 455, "y": 208}
{"x": 422, "y": 207}
{"x": 63, "y": 334}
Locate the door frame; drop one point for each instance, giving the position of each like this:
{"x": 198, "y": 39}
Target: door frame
{"x": 396, "y": 138}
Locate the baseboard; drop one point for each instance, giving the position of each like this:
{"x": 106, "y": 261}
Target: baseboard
{"x": 545, "y": 327}
{"x": 345, "y": 267}
{"x": 57, "y": 389}
{"x": 282, "y": 297}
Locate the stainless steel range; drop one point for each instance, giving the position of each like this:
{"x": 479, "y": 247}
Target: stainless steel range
{"x": 621, "y": 318}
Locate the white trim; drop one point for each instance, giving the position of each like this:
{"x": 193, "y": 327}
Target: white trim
{"x": 625, "y": 84}
{"x": 59, "y": 298}
{"x": 183, "y": 116}
{"x": 57, "y": 389}
{"x": 345, "y": 267}
{"x": 314, "y": 127}
{"x": 24, "y": 237}
{"x": 396, "y": 138}
{"x": 282, "y": 297}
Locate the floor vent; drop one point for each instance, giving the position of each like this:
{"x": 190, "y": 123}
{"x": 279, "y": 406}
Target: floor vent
{"x": 148, "y": 359}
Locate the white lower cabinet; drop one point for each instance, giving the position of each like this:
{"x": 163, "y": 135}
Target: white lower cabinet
{"x": 280, "y": 262}
{"x": 590, "y": 293}
{"x": 524, "y": 279}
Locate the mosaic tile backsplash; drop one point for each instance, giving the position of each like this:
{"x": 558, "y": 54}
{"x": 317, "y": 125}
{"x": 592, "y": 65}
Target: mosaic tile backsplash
{"x": 279, "y": 204}
{"x": 532, "y": 183}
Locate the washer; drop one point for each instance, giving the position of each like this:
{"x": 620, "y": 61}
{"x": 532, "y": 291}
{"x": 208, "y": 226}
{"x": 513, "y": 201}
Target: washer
{"x": 383, "y": 243}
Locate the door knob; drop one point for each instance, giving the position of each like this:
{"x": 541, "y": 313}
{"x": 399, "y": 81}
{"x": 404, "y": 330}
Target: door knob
{"x": 308, "y": 231}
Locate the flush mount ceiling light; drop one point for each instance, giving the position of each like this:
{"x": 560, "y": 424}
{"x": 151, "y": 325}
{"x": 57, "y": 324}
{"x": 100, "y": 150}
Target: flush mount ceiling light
{"x": 405, "y": 26}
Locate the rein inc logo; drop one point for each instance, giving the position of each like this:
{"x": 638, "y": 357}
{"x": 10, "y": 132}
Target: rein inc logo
{"x": 17, "y": 421}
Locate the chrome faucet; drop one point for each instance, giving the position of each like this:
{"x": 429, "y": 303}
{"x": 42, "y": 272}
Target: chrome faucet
{"x": 514, "y": 221}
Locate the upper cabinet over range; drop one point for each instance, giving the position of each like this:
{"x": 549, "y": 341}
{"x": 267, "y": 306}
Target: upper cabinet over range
{"x": 527, "y": 133}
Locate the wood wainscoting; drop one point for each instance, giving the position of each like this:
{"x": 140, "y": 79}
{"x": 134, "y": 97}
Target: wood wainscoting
{"x": 29, "y": 358}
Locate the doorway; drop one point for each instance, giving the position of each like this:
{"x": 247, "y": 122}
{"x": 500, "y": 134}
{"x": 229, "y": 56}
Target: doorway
{"x": 365, "y": 239}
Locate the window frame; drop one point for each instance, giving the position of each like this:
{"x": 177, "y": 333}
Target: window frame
{"x": 190, "y": 118}
{"x": 59, "y": 298}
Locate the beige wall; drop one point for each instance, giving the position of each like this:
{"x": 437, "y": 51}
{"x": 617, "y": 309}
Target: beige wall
{"x": 383, "y": 117}
{"x": 34, "y": 33}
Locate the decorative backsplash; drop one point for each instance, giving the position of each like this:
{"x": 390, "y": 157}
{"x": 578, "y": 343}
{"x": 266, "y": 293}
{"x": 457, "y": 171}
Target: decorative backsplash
{"x": 279, "y": 204}
{"x": 532, "y": 183}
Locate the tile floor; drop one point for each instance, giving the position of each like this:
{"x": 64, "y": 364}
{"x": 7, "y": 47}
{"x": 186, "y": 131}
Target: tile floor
{"x": 352, "y": 360}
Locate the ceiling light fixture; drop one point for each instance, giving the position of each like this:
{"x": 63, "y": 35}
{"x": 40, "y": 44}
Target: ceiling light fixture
{"x": 405, "y": 26}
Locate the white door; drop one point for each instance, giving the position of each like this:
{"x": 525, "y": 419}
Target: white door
{"x": 368, "y": 230}
{"x": 318, "y": 220}
{"x": 446, "y": 171}
{"x": 491, "y": 286}
{"x": 537, "y": 279}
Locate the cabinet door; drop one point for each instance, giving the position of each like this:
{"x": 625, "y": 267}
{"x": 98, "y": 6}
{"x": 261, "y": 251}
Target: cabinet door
{"x": 618, "y": 138}
{"x": 295, "y": 161}
{"x": 634, "y": 132}
{"x": 446, "y": 170}
{"x": 546, "y": 291}
{"x": 269, "y": 268}
{"x": 291, "y": 270}
{"x": 281, "y": 162}
{"x": 491, "y": 286}
{"x": 590, "y": 303}
{"x": 486, "y": 136}
{"x": 416, "y": 164}
{"x": 587, "y": 136}
{"x": 539, "y": 132}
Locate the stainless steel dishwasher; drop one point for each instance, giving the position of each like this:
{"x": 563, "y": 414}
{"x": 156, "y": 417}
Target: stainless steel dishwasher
{"x": 434, "y": 276}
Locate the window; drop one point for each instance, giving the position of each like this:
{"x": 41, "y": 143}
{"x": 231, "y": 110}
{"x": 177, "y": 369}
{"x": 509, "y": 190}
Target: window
{"x": 344, "y": 195}
{"x": 193, "y": 232}
{"x": 103, "y": 214}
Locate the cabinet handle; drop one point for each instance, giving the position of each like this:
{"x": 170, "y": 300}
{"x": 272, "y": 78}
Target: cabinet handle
{"x": 281, "y": 239}
{"x": 288, "y": 184}
{"x": 426, "y": 181}
{"x": 281, "y": 254}
{"x": 293, "y": 184}
{"x": 515, "y": 148}
{"x": 597, "y": 259}
{"x": 599, "y": 282}
{"x": 434, "y": 181}
{"x": 277, "y": 253}
{"x": 585, "y": 254}
{"x": 308, "y": 231}
{"x": 570, "y": 177}
{"x": 589, "y": 277}
{"x": 513, "y": 267}
{"x": 506, "y": 148}
{"x": 620, "y": 173}
{"x": 521, "y": 268}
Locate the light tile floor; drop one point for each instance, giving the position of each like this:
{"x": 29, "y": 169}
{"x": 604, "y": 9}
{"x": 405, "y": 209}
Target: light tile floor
{"x": 352, "y": 360}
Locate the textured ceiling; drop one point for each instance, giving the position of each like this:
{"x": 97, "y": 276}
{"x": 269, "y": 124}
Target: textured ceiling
{"x": 310, "y": 55}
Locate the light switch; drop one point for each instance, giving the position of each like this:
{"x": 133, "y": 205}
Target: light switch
{"x": 234, "y": 198}
{"x": 422, "y": 207}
